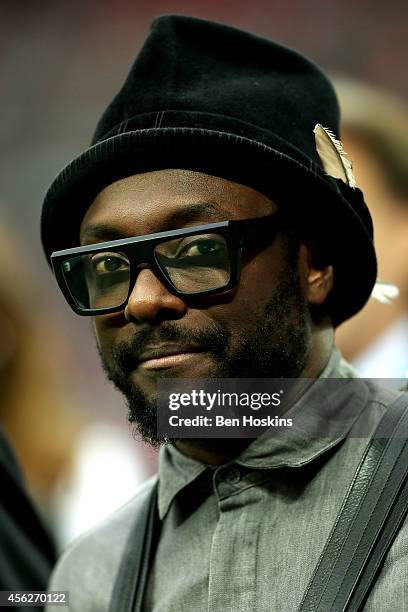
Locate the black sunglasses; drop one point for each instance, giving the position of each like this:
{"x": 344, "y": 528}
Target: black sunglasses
{"x": 195, "y": 261}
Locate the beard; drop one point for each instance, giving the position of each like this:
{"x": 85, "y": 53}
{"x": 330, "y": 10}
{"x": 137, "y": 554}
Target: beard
{"x": 275, "y": 346}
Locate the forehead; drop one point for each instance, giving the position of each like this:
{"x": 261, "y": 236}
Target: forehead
{"x": 167, "y": 199}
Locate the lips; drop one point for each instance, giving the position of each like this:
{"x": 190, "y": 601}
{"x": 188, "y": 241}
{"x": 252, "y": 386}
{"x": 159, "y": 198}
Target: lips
{"x": 167, "y": 355}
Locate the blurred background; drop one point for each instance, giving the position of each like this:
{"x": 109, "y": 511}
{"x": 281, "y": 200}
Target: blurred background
{"x": 60, "y": 65}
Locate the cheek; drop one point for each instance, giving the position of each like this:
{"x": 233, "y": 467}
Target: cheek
{"x": 106, "y": 330}
{"x": 259, "y": 278}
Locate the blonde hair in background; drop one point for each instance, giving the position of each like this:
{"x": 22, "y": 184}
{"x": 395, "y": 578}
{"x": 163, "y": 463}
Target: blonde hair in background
{"x": 34, "y": 411}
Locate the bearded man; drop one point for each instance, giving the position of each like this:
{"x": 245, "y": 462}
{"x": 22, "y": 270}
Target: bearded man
{"x": 209, "y": 238}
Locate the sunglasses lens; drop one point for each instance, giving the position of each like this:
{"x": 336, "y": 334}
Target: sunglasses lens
{"x": 98, "y": 280}
{"x": 195, "y": 264}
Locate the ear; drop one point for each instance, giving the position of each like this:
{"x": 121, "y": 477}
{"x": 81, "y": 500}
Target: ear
{"x": 318, "y": 278}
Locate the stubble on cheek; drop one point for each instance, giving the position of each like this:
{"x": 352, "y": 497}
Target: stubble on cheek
{"x": 104, "y": 340}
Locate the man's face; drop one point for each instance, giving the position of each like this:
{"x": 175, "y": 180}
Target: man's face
{"x": 261, "y": 328}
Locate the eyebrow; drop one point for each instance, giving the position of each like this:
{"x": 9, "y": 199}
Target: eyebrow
{"x": 199, "y": 211}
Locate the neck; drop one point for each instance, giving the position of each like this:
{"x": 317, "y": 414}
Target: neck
{"x": 321, "y": 346}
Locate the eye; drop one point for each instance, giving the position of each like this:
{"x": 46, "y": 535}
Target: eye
{"x": 108, "y": 263}
{"x": 200, "y": 247}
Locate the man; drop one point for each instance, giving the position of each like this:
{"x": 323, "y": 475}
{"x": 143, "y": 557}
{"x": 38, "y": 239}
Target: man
{"x": 215, "y": 125}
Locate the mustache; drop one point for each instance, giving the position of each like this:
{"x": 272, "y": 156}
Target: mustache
{"x": 214, "y": 340}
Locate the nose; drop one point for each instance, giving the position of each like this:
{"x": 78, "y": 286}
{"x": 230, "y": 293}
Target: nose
{"x": 151, "y": 302}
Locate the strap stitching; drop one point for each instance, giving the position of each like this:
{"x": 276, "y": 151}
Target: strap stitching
{"x": 367, "y": 524}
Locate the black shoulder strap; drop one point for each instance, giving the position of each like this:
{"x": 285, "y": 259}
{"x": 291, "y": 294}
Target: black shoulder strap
{"x": 372, "y": 513}
{"x": 131, "y": 579}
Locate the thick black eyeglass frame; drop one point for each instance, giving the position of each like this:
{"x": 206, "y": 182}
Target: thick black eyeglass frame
{"x": 237, "y": 234}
